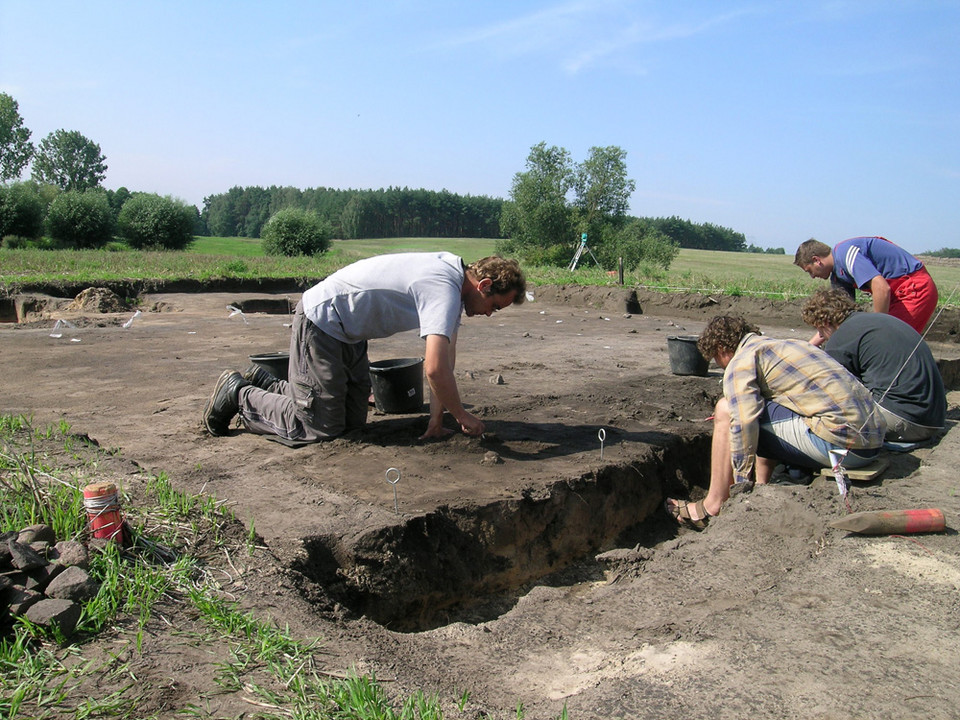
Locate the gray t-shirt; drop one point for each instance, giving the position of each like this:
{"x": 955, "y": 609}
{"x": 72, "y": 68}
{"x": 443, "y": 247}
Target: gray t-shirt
{"x": 387, "y": 294}
{"x": 893, "y": 362}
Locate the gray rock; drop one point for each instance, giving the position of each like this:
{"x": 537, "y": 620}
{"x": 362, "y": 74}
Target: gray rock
{"x": 491, "y": 458}
{"x": 25, "y": 557}
{"x": 20, "y": 600}
{"x": 55, "y": 613}
{"x": 16, "y": 577}
{"x": 71, "y": 552}
{"x": 73, "y": 584}
{"x": 37, "y": 533}
{"x": 40, "y": 547}
{"x": 4, "y": 549}
{"x": 38, "y": 578}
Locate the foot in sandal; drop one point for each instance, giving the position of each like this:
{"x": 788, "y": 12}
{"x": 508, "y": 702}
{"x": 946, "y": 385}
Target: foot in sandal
{"x": 693, "y": 515}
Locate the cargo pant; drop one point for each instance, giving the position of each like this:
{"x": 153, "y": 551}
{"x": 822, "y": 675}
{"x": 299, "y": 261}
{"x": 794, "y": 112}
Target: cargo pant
{"x": 327, "y": 392}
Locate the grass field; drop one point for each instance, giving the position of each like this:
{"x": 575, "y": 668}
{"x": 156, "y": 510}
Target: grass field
{"x": 705, "y": 271}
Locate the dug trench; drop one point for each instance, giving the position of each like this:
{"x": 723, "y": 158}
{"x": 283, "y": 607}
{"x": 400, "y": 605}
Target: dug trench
{"x": 477, "y": 521}
{"x": 468, "y": 563}
{"x": 533, "y": 565}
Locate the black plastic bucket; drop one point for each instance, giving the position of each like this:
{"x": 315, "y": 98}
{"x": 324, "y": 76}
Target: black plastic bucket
{"x": 275, "y": 363}
{"x": 397, "y": 385}
{"x": 685, "y": 358}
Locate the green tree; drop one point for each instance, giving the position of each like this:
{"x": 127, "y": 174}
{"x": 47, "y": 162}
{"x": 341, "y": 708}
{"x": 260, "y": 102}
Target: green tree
{"x": 21, "y": 210}
{"x": 602, "y": 190}
{"x": 15, "y": 146}
{"x": 293, "y": 231}
{"x": 538, "y": 214}
{"x": 638, "y": 243}
{"x": 147, "y": 220}
{"x": 542, "y": 222}
{"x": 82, "y": 219}
{"x": 70, "y": 161}
{"x": 117, "y": 198}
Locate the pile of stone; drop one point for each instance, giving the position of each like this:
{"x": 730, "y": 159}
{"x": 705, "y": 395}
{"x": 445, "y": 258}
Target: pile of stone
{"x": 42, "y": 579}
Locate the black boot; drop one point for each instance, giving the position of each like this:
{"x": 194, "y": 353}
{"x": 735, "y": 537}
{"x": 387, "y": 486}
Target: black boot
{"x": 256, "y": 375}
{"x": 224, "y": 403}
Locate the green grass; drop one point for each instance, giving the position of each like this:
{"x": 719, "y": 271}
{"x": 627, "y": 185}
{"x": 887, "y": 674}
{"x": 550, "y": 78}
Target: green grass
{"x": 233, "y": 246}
{"x": 705, "y": 271}
{"x": 46, "y": 676}
{"x": 469, "y": 249}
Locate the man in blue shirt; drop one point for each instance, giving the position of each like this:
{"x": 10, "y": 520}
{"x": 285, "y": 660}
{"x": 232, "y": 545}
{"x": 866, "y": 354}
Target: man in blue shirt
{"x": 899, "y": 283}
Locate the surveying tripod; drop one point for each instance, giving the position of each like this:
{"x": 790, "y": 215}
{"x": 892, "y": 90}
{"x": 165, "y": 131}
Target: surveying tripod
{"x": 579, "y": 253}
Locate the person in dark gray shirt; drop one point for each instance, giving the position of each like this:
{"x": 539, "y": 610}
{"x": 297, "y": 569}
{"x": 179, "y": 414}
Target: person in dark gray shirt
{"x": 890, "y": 358}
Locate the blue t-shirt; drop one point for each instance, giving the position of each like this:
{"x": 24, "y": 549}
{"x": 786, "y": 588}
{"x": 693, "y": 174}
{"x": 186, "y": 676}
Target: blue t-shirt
{"x": 859, "y": 260}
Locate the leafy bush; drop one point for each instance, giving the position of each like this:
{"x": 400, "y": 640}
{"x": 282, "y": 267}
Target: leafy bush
{"x": 293, "y": 231}
{"x": 638, "y": 244}
{"x": 82, "y": 219}
{"x": 147, "y": 220}
{"x": 21, "y": 210}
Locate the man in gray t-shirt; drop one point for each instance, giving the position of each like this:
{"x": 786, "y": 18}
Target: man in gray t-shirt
{"x": 328, "y": 387}
{"x": 889, "y": 357}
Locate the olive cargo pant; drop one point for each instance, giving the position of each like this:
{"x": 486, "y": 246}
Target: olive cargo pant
{"x": 327, "y": 392}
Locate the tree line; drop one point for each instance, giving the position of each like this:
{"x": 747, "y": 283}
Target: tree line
{"x": 390, "y": 212}
{"x": 554, "y": 205}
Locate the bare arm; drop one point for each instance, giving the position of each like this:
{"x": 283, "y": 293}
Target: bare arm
{"x": 439, "y": 361}
{"x": 880, "y": 289}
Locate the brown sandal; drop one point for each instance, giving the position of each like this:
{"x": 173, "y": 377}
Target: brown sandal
{"x": 681, "y": 513}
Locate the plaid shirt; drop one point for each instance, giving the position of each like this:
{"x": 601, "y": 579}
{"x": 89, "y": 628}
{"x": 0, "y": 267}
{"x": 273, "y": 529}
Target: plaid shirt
{"x": 804, "y": 379}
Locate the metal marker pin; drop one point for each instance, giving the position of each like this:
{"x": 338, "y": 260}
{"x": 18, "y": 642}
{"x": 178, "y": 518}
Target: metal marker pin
{"x": 603, "y": 436}
{"x": 396, "y": 506}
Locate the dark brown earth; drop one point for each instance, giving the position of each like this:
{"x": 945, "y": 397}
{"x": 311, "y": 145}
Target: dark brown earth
{"x": 533, "y": 565}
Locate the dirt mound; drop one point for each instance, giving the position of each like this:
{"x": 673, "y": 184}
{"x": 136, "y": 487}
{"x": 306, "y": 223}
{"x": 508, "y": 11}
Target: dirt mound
{"x": 97, "y": 300}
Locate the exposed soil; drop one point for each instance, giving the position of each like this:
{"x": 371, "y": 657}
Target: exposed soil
{"x": 533, "y": 565}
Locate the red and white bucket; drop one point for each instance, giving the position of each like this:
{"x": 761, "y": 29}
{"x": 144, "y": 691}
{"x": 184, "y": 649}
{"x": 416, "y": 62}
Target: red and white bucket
{"x": 102, "y": 504}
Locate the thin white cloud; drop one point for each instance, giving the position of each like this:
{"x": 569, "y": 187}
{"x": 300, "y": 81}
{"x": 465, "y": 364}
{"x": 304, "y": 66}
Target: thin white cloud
{"x": 584, "y": 34}
{"x": 642, "y": 32}
{"x": 534, "y": 29}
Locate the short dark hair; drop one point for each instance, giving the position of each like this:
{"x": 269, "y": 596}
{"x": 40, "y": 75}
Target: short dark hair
{"x": 807, "y": 250}
{"x": 724, "y": 332}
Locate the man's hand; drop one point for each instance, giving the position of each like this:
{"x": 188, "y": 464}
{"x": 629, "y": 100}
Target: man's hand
{"x": 472, "y": 425}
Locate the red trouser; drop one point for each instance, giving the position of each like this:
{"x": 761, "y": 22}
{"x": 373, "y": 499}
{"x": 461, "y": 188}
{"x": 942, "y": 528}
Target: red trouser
{"x": 913, "y": 298}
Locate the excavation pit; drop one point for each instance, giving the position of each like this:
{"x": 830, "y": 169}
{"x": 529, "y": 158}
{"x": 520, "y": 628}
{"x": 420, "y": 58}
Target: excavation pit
{"x": 267, "y": 306}
{"x": 470, "y": 563}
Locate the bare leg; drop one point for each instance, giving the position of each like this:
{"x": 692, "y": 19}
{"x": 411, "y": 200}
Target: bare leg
{"x": 764, "y": 470}
{"x": 721, "y": 468}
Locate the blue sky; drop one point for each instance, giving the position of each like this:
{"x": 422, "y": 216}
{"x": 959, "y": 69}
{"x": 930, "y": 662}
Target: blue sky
{"x": 781, "y": 120}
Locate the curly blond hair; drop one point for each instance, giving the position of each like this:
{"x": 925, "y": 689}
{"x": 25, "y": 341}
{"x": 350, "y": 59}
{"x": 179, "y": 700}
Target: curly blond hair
{"x": 724, "y": 332}
{"x": 827, "y": 308}
{"x": 505, "y": 274}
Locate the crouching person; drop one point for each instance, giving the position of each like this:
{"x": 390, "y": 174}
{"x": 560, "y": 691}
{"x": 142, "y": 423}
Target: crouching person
{"x": 784, "y": 401}
{"x": 329, "y": 379}
{"x": 889, "y": 357}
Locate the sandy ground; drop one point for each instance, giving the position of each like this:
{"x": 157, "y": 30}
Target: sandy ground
{"x": 533, "y": 565}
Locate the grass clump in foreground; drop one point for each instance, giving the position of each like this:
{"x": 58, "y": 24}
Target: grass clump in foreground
{"x": 44, "y": 675}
